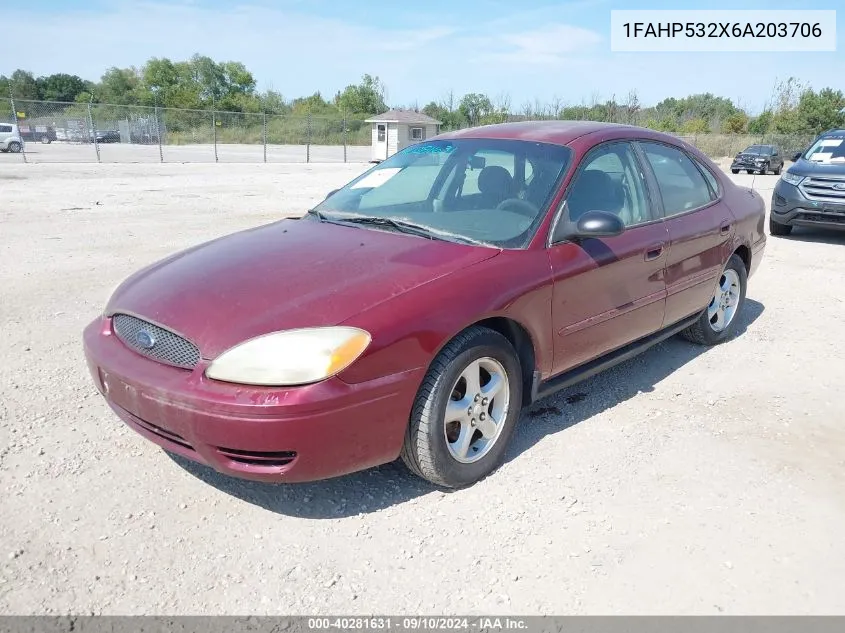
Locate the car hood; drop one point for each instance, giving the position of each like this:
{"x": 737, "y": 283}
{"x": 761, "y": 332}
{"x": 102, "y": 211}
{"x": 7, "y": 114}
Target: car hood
{"x": 812, "y": 168}
{"x": 288, "y": 274}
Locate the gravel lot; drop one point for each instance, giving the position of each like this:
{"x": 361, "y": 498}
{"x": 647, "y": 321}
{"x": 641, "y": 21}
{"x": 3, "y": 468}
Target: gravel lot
{"x": 686, "y": 481}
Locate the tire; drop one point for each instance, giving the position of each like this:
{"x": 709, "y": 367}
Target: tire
{"x": 433, "y": 442}
{"x": 778, "y": 170}
{"x": 764, "y": 170}
{"x": 749, "y": 171}
{"x": 734, "y": 171}
{"x": 776, "y": 228}
{"x": 45, "y": 140}
{"x": 704, "y": 331}
{"x": 14, "y": 147}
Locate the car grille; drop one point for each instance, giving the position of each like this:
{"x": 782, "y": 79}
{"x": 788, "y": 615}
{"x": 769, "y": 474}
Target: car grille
{"x": 155, "y": 342}
{"x": 821, "y": 188}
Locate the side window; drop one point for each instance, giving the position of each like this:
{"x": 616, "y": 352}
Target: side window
{"x": 708, "y": 175}
{"x": 5, "y": 128}
{"x": 381, "y": 133}
{"x": 611, "y": 180}
{"x": 682, "y": 186}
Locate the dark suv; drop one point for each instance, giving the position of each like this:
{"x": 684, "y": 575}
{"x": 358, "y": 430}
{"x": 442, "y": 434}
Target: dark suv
{"x": 812, "y": 191}
{"x": 759, "y": 158}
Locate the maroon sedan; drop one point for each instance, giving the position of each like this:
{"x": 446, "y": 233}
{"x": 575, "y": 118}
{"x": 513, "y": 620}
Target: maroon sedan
{"x": 415, "y": 311}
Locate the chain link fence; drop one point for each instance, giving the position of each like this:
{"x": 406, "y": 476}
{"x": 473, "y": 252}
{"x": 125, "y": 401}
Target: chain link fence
{"x": 78, "y": 132}
{"x": 54, "y": 132}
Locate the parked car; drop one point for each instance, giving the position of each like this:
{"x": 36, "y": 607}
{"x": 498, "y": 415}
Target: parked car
{"x": 415, "y": 311}
{"x": 105, "y": 136}
{"x": 10, "y": 138}
{"x": 758, "y": 158}
{"x": 42, "y": 133}
{"x": 812, "y": 191}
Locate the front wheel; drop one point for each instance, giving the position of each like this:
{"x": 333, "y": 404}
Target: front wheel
{"x": 14, "y": 147}
{"x": 718, "y": 321}
{"x": 45, "y": 140}
{"x": 764, "y": 170}
{"x": 465, "y": 411}
{"x": 734, "y": 171}
{"x": 778, "y": 170}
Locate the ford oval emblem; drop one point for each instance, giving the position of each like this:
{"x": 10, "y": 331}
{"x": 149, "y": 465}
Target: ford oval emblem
{"x": 145, "y": 339}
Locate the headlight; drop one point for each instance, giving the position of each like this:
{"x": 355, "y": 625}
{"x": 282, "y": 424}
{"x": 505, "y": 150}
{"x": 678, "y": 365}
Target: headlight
{"x": 792, "y": 179}
{"x": 292, "y": 357}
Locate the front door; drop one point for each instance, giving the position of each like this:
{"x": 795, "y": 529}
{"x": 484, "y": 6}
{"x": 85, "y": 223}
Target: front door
{"x": 609, "y": 291}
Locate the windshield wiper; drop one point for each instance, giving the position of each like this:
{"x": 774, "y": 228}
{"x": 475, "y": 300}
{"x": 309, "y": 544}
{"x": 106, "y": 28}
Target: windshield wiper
{"x": 406, "y": 227}
{"x": 318, "y": 214}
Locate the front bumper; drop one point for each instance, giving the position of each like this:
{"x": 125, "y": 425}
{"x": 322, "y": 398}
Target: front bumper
{"x": 305, "y": 433}
{"x": 790, "y": 207}
{"x": 742, "y": 166}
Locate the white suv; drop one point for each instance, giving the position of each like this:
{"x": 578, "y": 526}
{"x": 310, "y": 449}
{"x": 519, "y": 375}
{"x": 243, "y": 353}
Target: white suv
{"x": 10, "y": 138}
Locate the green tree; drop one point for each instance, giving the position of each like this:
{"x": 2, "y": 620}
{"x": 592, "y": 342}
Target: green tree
{"x": 695, "y": 126}
{"x": 474, "y": 107}
{"x": 118, "y": 85}
{"x": 736, "y": 123}
{"x": 315, "y": 104}
{"x": 366, "y": 97}
{"x": 819, "y": 111}
{"x": 762, "y": 123}
{"x": 61, "y": 87}
{"x": 24, "y": 85}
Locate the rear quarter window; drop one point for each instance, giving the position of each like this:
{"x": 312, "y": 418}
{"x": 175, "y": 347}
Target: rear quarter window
{"x": 5, "y": 128}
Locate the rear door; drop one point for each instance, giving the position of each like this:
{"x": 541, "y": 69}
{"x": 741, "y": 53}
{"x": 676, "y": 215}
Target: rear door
{"x": 609, "y": 291}
{"x": 698, "y": 223}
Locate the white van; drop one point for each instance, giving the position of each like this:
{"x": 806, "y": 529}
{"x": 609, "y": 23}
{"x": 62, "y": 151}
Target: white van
{"x": 10, "y": 138}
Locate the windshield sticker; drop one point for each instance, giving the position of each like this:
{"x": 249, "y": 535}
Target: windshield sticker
{"x": 822, "y": 157}
{"x": 831, "y": 142}
{"x": 377, "y": 178}
{"x": 430, "y": 149}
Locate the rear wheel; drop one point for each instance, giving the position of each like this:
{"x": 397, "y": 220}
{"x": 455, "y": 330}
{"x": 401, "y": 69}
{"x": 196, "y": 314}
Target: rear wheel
{"x": 749, "y": 171}
{"x": 719, "y": 320}
{"x": 734, "y": 171}
{"x": 14, "y": 147}
{"x": 776, "y": 228}
{"x": 465, "y": 411}
{"x": 45, "y": 140}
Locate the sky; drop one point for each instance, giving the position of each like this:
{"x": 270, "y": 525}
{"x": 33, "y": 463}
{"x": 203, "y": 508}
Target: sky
{"x": 526, "y": 50}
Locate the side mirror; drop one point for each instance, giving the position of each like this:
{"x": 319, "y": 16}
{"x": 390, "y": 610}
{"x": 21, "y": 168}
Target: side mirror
{"x": 796, "y": 156}
{"x": 590, "y": 224}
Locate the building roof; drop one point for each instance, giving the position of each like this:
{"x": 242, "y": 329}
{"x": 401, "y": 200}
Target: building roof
{"x": 403, "y": 116}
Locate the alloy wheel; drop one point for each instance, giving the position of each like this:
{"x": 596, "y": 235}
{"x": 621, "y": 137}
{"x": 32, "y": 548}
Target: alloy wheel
{"x": 477, "y": 410}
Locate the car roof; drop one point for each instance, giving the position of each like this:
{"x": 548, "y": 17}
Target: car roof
{"x": 558, "y": 132}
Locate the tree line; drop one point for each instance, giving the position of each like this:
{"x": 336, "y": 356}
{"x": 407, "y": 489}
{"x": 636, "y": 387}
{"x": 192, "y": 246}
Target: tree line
{"x": 201, "y": 83}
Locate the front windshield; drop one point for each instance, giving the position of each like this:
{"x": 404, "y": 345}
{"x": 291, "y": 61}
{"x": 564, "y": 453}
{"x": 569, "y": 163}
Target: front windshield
{"x": 829, "y": 149}
{"x": 762, "y": 150}
{"x": 488, "y": 191}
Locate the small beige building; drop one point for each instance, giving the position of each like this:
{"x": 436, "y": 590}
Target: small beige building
{"x": 397, "y": 129}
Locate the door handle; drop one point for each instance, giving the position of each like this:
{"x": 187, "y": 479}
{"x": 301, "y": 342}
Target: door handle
{"x": 725, "y": 228}
{"x": 654, "y": 251}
